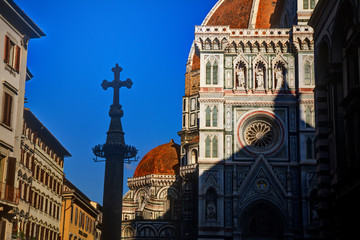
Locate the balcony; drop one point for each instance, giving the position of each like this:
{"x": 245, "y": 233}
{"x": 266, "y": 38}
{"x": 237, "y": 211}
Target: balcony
{"x": 9, "y": 193}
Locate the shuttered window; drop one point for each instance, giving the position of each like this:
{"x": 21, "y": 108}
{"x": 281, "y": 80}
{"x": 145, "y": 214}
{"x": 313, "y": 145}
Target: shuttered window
{"x": 12, "y": 54}
{"x": 7, "y": 108}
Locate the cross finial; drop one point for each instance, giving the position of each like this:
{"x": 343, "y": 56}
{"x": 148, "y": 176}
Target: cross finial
{"x": 116, "y": 83}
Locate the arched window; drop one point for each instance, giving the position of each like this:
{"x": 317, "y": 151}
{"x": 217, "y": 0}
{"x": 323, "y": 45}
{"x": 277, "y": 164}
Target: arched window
{"x": 208, "y": 73}
{"x": 207, "y": 147}
{"x": 208, "y": 117}
{"x": 214, "y": 147}
{"x": 214, "y": 117}
{"x": 215, "y": 73}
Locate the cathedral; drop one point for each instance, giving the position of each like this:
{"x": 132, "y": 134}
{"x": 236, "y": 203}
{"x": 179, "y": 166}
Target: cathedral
{"x": 245, "y": 168}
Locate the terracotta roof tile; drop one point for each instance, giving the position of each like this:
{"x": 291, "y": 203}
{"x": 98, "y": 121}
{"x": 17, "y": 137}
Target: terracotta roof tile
{"x": 163, "y": 159}
{"x": 235, "y": 13}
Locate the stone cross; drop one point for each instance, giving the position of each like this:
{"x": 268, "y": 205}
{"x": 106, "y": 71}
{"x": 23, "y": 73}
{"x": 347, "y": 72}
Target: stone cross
{"x": 116, "y": 83}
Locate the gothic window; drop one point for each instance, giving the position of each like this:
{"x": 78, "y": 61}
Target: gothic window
{"x": 208, "y": 73}
{"x": 215, "y": 73}
{"x": 309, "y": 4}
{"x": 211, "y": 117}
{"x": 210, "y": 204}
{"x": 211, "y": 147}
{"x": 309, "y": 148}
{"x": 208, "y": 117}
{"x": 208, "y": 147}
{"x": 214, "y": 147}
{"x": 214, "y": 117}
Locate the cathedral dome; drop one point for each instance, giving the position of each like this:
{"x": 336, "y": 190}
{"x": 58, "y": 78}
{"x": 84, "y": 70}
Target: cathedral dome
{"x": 260, "y": 14}
{"x": 163, "y": 160}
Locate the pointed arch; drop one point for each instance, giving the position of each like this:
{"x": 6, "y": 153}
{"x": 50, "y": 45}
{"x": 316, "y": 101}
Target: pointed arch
{"x": 214, "y": 147}
{"x": 208, "y": 44}
{"x": 208, "y": 117}
{"x": 215, "y": 117}
{"x": 215, "y": 73}
{"x": 208, "y": 147}
{"x": 208, "y": 73}
{"x": 216, "y": 44}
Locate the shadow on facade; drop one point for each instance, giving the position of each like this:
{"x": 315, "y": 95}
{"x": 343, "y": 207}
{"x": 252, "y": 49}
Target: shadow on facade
{"x": 266, "y": 189}
{"x": 263, "y": 188}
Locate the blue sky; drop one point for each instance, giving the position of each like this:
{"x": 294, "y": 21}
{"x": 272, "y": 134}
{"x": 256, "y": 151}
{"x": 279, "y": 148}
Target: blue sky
{"x": 149, "y": 39}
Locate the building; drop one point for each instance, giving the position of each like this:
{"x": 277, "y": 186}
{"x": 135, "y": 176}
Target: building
{"x": 247, "y": 140}
{"x": 98, "y": 223}
{"x": 39, "y": 179}
{"x": 16, "y": 29}
{"x": 247, "y": 166}
{"x": 337, "y": 47}
{"x": 152, "y": 206}
{"x": 80, "y": 217}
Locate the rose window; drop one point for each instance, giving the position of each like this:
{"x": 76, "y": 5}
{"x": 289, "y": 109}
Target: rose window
{"x": 260, "y": 132}
{"x": 259, "y": 135}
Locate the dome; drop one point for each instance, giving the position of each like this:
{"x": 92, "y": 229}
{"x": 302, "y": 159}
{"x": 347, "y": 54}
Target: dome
{"x": 260, "y": 14}
{"x": 163, "y": 160}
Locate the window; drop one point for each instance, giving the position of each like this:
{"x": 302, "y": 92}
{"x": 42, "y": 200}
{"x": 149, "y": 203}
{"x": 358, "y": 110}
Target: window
{"x": 208, "y": 116}
{"x": 211, "y": 117}
{"x": 215, "y": 73}
{"x": 211, "y": 147}
{"x": 214, "y": 147}
{"x": 208, "y": 73}
{"x": 208, "y": 147}
{"x": 12, "y": 54}
{"x": 7, "y": 108}
{"x": 309, "y": 4}
{"x": 212, "y": 73}
{"x": 215, "y": 116}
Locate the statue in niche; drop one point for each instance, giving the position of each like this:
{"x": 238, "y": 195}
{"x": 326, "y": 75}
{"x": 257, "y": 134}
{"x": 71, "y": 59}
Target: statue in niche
{"x": 259, "y": 76}
{"x": 211, "y": 210}
{"x": 279, "y": 76}
{"x": 210, "y": 204}
{"x": 241, "y": 75}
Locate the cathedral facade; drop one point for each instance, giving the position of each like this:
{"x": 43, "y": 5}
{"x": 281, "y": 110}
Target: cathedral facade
{"x": 247, "y": 157}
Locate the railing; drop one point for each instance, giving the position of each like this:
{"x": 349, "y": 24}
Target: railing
{"x": 9, "y": 193}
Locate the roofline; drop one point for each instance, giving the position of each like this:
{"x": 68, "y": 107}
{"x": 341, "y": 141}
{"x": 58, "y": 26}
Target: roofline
{"x": 34, "y": 30}
{"x": 52, "y": 138}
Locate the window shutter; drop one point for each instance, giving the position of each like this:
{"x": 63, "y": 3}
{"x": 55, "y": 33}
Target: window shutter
{"x": 7, "y": 109}
{"x": 11, "y": 168}
{"x": 7, "y": 49}
{"x": 17, "y": 60}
